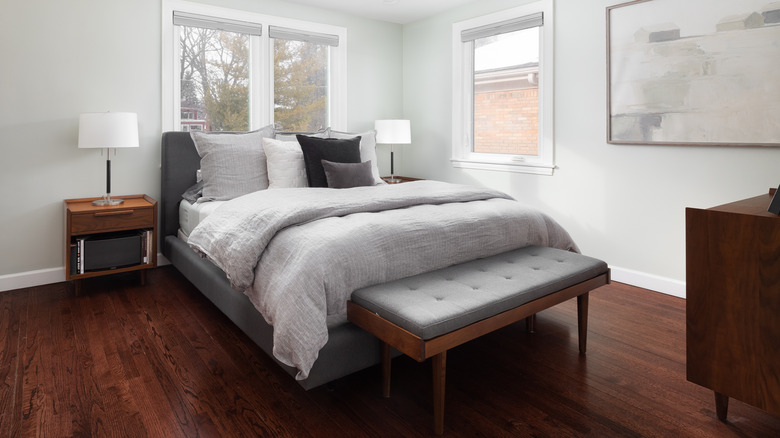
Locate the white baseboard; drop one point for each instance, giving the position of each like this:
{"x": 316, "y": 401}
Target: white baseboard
{"x": 31, "y": 278}
{"x": 649, "y": 281}
{"x": 44, "y": 276}
{"x": 635, "y": 278}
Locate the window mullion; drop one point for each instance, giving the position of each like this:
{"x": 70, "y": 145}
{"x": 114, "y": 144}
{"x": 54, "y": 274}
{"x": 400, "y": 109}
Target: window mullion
{"x": 468, "y": 101}
{"x": 258, "y": 112}
{"x": 176, "y": 91}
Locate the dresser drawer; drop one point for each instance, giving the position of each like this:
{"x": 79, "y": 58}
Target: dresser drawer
{"x": 112, "y": 220}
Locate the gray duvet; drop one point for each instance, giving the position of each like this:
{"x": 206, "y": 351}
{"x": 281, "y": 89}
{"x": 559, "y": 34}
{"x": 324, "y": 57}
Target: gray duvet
{"x": 299, "y": 253}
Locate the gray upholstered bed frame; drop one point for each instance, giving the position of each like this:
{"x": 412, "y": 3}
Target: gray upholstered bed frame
{"x": 349, "y": 348}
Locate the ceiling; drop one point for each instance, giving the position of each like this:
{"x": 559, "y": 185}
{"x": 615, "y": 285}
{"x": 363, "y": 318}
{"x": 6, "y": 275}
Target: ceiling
{"x": 394, "y": 11}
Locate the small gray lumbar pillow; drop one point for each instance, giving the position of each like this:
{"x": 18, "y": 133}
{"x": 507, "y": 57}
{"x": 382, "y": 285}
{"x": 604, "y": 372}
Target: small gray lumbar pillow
{"x": 347, "y": 175}
{"x": 367, "y": 148}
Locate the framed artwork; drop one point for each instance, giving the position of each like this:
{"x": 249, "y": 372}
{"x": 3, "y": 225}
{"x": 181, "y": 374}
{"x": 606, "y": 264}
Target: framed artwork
{"x": 694, "y": 72}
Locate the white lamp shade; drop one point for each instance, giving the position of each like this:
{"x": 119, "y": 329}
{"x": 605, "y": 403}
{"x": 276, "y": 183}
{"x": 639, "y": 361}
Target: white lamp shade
{"x": 393, "y": 131}
{"x": 108, "y": 130}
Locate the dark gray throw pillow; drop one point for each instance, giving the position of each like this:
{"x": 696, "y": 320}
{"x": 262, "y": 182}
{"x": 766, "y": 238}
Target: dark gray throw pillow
{"x": 347, "y": 175}
{"x": 331, "y": 149}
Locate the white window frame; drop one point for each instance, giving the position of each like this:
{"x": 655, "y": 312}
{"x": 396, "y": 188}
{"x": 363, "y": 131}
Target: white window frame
{"x": 463, "y": 96}
{"x": 261, "y": 99}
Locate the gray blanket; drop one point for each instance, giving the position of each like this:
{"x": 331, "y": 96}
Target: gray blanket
{"x": 299, "y": 253}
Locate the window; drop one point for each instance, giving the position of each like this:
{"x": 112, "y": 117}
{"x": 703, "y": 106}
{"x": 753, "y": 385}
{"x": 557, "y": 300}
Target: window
{"x": 502, "y": 91}
{"x": 229, "y": 70}
{"x": 301, "y": 79}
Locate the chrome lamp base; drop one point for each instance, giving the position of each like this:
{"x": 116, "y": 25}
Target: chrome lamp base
{"x": 107, "y": 201}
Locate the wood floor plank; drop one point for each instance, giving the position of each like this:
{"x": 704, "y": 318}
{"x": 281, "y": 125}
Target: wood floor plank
{"x": 48, "y": 364}
{"x": 161, "y": 360}
{"x": 243, "y": 405}
{"x": 169, "y": 367}
{"x": 145, "y": 388}
{"x": 13, "y": 313}
{"x": 101, "y": 335}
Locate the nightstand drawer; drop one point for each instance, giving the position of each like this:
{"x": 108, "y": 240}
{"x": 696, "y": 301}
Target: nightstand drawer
{"x": 112, "y": 220}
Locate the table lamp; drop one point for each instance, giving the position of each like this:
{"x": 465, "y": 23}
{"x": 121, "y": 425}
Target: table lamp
{"x": 108, "y": 130}
{"x": 393, "y": 132}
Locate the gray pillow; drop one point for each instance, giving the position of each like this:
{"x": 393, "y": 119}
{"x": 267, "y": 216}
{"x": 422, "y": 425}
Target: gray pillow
{"x": 232, "y": 164}
{"x": 347, "y": 175}
{"x": 367, "y": 149}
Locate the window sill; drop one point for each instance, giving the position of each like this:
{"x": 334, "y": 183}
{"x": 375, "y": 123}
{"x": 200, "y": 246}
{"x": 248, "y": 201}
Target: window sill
{"x": 535, "y": 169}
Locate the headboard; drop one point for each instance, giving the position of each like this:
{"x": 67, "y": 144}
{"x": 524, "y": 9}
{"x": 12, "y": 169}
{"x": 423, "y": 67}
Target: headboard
{"x": 180, "y": 161}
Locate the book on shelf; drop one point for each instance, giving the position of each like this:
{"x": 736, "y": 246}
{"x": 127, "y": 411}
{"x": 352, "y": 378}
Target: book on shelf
{"x": 82, "y": 255}
{"x": 74, "y": 258}
{"x": 146, "y": 246}
{"x": 77, "y": 257}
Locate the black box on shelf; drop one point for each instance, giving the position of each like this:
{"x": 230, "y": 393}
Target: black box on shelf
{"x": 112, "y": 250}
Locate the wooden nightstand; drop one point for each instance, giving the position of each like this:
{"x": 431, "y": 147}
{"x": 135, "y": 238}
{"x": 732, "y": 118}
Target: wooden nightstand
{"x": 402, "y": 178}
{"x": 109, "y": 240}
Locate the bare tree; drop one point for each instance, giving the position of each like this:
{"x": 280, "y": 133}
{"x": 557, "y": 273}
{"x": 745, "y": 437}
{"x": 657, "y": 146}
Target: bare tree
{"x": 215, "y": 80}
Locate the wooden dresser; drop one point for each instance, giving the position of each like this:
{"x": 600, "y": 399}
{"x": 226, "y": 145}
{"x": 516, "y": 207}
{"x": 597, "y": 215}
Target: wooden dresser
{"x": 733, "y": 302}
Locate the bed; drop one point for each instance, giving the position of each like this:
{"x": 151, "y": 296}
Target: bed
{"x": 339, "y": 348}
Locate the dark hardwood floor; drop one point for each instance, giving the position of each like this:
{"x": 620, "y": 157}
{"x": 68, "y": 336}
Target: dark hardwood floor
{"x": 161, "y": 361}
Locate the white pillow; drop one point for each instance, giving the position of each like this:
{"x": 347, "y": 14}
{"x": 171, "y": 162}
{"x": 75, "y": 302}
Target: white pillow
{"x": 367, "y": 149}
{"x": 286, "y": 168}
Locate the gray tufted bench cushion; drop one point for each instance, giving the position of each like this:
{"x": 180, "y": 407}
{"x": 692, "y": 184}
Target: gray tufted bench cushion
{"x": 438, "y": 302}
{"x": 425, "y": 315}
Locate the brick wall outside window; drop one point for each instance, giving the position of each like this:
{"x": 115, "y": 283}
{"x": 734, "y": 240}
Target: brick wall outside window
{"x": 507, "y": 121}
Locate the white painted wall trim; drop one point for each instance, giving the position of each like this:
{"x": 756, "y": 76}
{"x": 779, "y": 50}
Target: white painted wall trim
{"x": 31, "y": 278}
{"x": 45, "y": 276}
{"x": 635, "y": 278}
{"x": 649, "y": 281}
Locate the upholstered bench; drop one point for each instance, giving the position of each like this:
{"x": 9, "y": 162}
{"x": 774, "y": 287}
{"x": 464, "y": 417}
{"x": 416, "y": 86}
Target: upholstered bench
{"x": 425, "y": 315}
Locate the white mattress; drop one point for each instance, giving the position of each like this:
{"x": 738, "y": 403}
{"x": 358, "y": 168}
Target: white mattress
{"x": 190, "y": 215}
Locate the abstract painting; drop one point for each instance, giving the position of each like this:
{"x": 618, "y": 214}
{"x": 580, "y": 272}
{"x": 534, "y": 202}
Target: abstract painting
{"x": 694, "y": 72}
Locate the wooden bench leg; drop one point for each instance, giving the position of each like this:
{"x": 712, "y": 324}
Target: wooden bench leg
{"x": 530, "y": 324}
{"x": 582, "y": 320}
{"x": 385, "y": 370}
{"x": 439, "y": 376}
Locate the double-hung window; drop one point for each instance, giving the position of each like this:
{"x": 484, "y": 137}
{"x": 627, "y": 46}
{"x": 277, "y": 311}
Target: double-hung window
{"x": 503, "y": 90}
{"x": 230, "y": 70}
{"x": 301, "y": 80}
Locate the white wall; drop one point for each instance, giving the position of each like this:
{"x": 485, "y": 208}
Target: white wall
{"x": 62, "y": 58}
{"x": 624, "y": 204}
